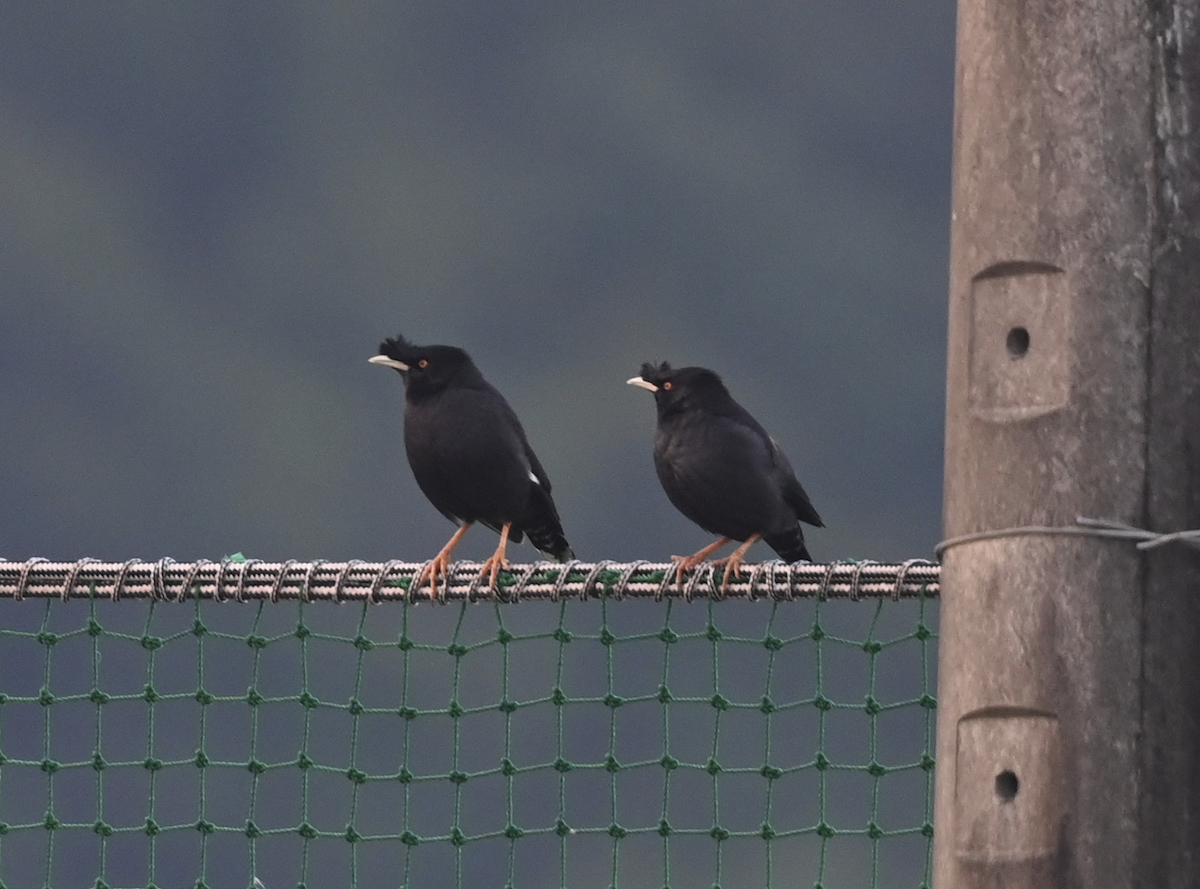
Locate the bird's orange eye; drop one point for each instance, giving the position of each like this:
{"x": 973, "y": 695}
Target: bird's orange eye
{"x": 667, "y": 384}
{"x": 423, "y": 363}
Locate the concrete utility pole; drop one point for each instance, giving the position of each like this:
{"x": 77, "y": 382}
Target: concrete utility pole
{"x": 1069, "y": 699}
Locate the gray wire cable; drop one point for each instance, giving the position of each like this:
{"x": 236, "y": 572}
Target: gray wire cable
{"x": 1084, "y": 527}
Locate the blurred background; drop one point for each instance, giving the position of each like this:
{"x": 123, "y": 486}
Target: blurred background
{"x": 211, "y": 213}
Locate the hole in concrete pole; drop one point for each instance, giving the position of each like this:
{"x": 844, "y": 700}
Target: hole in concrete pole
{"x": 1017, "y": 342}
{"x": 1006, "y": 786}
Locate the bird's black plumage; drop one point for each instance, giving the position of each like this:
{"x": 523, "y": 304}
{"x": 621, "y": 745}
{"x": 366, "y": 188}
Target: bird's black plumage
{"x": 720, "y": 468}
{"x": 468, "y": 451}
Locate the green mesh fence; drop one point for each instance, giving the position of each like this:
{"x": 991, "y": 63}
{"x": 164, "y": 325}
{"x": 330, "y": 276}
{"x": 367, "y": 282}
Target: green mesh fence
{"x": 327, "y": 730}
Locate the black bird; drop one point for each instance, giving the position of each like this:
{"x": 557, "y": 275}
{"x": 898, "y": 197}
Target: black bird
{"x": 721, "y": 469}
{"x": 470, "y": 456}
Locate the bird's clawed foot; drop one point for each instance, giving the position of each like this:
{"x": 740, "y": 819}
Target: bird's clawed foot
{"x": 684, "y": 564}
{"x": 439, "y": 565}
{"x": 732, "y": 562}
{"x": 498, "y": 559}
{"x": 492, "y": 567}
{"x": 687, "y": 563}
{"x": 733, "y": 567}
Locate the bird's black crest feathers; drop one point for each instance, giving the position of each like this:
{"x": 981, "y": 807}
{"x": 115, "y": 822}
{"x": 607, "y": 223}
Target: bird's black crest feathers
{"x": 397, "y": 348}
{"x": 655, "y": 374}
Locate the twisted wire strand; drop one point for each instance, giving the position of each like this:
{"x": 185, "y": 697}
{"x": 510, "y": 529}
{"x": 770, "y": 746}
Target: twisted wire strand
{"x": 1083, "y": 527}
{"x": 169, "y": 581}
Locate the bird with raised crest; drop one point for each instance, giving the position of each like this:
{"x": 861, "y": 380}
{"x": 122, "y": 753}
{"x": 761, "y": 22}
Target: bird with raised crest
{"x": 470, "y": 456}
{"x": 722, "y": 470}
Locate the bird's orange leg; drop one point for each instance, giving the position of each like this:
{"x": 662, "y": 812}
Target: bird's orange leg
{"x": 492, "y": 565}
{"x": 733, "y": 561}
{"x": 687, "y": 563}
{"x": 439, "y": 565}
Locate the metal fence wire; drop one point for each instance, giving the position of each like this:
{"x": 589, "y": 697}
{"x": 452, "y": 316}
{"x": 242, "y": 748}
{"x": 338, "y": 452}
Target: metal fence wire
{"x": 240, "y": 724}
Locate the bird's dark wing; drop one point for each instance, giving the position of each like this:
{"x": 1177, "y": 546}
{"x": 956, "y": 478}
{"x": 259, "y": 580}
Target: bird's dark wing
{"x": 794, "y": 494}
{"x": 520, "y": 455}
{"x": 540, "y": 522}
{"x": 535, "y": 465}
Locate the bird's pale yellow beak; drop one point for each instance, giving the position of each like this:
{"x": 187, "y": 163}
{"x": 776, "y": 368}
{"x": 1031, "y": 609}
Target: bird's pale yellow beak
{"x": 388, "y": 362}
{"x": 638, "y": 381}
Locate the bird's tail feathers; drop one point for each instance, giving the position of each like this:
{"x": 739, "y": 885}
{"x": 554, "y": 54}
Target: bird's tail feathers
{"x": 543, "y": 526}
{"x": 557, "y": 548}
{"x": 544, "y": 533}
{"x": 789, "y": 544}
{"x": 548, "y": 537}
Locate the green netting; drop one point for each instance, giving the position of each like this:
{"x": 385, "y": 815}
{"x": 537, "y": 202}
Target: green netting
{"x": 546, "y": 744}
